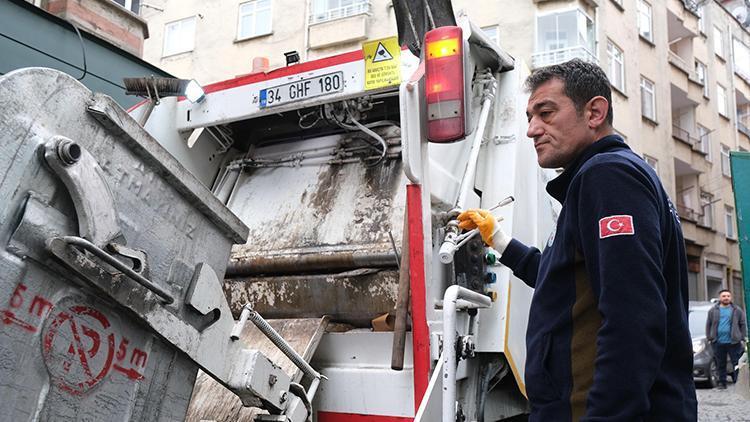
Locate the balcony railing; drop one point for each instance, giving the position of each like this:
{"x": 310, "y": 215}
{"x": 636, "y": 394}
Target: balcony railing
{"x": 562, "y": 55}
{"x": 743, "y": 129}
{"x": 340, "y": 12}
{"x": 681, "y": 64}
{"x": 687, "y": 213}
{"x": 684, "y": 135}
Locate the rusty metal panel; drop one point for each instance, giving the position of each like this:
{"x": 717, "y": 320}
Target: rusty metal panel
{"x": 67, "y": 351}
{"x": 318, "y": 208}
{"x": 354, "y": 297}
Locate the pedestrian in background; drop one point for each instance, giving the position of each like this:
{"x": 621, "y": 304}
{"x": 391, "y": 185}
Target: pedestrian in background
{"x": 607, "y": 337}
{"x": 726, "y": 328}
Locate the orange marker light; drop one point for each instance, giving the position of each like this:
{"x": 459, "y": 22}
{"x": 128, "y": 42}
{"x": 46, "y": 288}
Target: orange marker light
{"x": 442, "y": 48}
{"x": 444, "y": 72}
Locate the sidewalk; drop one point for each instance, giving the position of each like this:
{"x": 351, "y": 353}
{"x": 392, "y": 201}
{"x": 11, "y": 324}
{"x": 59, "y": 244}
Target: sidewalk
{"x": 723, "y": 405}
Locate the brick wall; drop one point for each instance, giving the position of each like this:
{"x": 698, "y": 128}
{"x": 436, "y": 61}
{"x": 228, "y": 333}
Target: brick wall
{"x": 105, "y": 19}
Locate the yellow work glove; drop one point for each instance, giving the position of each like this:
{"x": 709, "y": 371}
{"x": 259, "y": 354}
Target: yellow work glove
{"x": 488, "y": 227}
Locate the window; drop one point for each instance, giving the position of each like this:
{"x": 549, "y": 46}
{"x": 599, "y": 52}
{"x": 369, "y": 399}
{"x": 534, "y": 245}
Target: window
{"x": 132, "y": 5}
{"x": 721, "y": 100}
{"x": 707, "y": 209}
{"x": 725, "y": 166}
{"x": 652, "y": 162}
{"x": 645, "y": 23}
{"x": 729, "y": 221}
{"x": 492, "y": 32}
{"x": 564, "y": 36}
{"x": 648, "y": 100}
{"x": 179, "y": 36}
{"x": 326, "y": 10}
{"x": 703, "y": 143}
{"x": 741, "y": 58}
{"x": 718, "y": 42}
{"x": 255, "y": 19}
{"x": 701, "y": 76}
{"x": 701, "y": 20}
{"x": 616, "y": 65}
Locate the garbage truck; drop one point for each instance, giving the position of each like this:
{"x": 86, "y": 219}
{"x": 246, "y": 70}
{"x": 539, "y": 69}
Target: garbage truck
{"x": 285, "y": 248}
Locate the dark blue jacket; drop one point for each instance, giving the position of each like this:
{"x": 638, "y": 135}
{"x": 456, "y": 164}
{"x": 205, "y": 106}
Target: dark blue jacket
{"x": 608, "y": 335}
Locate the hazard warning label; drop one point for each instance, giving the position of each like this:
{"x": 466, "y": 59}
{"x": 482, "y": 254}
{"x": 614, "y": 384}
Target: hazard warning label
{"x": 382, "y": 63}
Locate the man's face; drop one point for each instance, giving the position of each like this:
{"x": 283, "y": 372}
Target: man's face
{"x": 725, "y": 298}
{"x": 560, "y": 134}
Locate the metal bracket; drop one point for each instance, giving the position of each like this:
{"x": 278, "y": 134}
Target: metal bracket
{"x": 91, "y": 195}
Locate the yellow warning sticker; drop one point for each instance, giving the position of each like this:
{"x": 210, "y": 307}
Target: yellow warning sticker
{"x": 382, "y": 63}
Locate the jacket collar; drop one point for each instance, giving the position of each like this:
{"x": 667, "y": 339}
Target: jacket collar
{"x": 558, "y": 187}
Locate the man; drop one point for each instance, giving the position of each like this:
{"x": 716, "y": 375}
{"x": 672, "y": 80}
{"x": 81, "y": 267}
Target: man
{"x": 607, "y": 337}
{"x": 726, "y": 326}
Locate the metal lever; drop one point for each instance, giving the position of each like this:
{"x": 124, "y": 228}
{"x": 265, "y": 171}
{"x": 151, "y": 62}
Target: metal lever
{"x": 110, "y": 260}
{"x": 275, "y": 337}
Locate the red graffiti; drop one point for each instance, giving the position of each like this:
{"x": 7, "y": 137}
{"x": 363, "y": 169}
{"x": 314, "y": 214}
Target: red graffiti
{"x": 72, "y": 349}
{"x": 38, "y": 309}
{"x": 80, "y": 350}
{"x": 130, "y": 372}
{"x": 78, "y": 346}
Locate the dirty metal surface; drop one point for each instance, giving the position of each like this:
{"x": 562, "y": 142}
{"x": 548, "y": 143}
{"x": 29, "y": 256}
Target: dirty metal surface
{"x": 211, "y": 401}
{"x": 354, "y": 297}
{"x": 318, "y": 208}
{"x": 67, "y": 352}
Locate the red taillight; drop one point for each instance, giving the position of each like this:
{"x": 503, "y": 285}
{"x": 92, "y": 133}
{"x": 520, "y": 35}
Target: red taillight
{"x": 444, "y": 68}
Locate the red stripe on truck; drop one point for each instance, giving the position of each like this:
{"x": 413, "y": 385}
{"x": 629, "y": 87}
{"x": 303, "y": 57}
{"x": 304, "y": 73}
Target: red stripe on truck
{"x": 351, "y": 417}
{"x": 420, "y": 332}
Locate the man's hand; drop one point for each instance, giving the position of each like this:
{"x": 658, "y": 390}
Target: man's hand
{"x": 483, "y": 220}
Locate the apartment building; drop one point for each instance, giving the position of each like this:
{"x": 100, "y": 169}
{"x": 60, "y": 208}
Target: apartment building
{"x": 680, "y": 73}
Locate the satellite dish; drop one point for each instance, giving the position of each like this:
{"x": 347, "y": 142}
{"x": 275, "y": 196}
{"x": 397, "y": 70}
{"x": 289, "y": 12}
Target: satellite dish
{"x": 740, "y": 13}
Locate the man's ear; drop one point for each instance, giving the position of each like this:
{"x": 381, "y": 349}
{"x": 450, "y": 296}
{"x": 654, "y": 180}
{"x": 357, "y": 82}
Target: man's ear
{"x": 597, "y": 109}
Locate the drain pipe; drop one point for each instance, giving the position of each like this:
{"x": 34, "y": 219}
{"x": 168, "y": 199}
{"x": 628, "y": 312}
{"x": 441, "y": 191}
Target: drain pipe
{"x": 452, "y": 295}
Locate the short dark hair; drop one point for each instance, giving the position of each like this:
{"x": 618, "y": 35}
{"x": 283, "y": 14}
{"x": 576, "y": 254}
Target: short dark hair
{"x": 583, "y": 81}
{"x": 724, "y": 290}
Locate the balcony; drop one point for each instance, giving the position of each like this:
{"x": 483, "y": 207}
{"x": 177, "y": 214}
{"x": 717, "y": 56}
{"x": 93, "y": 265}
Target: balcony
{"x": 562, "y": 55}
{"x": 687, "y": 213}
{"x": 357, "y": 8}
{"x": 681, "y": 64}
{"x": 743, "y": 129}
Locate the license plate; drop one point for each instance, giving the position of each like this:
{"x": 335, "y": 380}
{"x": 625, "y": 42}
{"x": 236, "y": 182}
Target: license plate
{"x": 302, "y": 89}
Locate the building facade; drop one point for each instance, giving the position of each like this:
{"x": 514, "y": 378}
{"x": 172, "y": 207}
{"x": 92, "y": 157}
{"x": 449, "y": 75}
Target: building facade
{"x": 680, "y": 73}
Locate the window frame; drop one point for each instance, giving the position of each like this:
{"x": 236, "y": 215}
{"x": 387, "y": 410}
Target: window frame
{"x": 128, "y": 4}
{"x": 645, "y": 80}
{"x": 704, "y": 139}
{"x": 648, "y": 159}
{"x": 642, "y": 7}
{"x": 255, "y": 11}
{"x": 496, "y": 29}
{"x": 726, "y": 169}
{"x": 593, "y": 42}
{"x": 181, "y": 22}
{"x": 701, "y": 19}
{"x": 612, "y": 58}
{"x": 719, "y": 49}
{"x": 722, "y": 107}
{"x": 729, "y": 222}
{"x": 704, "y": 80}
{"x": 359, "y": 7}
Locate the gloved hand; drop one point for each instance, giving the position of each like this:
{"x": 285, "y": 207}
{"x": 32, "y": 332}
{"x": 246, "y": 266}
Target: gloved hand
{"x": 488, "y": 227}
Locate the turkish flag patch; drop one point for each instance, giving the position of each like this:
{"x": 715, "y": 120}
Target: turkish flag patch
{"x": 616, "y": 225}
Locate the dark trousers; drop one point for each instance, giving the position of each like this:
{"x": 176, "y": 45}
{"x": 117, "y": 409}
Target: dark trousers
{"x": 721, "y": 350}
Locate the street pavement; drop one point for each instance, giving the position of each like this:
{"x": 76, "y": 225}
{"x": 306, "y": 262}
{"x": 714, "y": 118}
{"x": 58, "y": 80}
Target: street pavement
{"x": 722, "y": 405}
